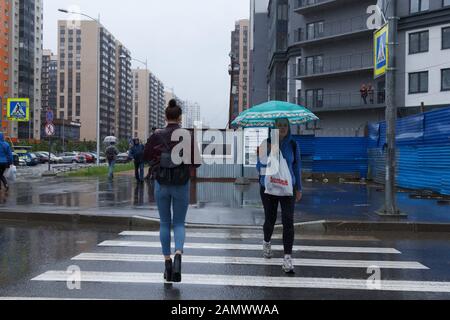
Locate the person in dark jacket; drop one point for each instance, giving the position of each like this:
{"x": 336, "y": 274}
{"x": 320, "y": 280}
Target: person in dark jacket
{"x": 172, "y": 189}
{"x": 290, "y": 151}
{"x": 6, "y": 160}
{"x": 137, "y": 154}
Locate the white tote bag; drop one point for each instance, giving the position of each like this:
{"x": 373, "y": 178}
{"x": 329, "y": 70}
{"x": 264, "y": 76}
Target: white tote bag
{"x": 11, "y": 173}
{"x": 278, "y": 181}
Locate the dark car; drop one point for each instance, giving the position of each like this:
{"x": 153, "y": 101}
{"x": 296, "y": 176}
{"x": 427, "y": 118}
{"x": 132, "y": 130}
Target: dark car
{"x": 30, "y": 159}
{"x": 43, "y": 158}
{"x": 15, "y": 159}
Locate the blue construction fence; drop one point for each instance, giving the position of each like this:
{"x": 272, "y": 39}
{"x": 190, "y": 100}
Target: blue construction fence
{"x": 423, "y": 151}
{"x": 334, "y": 155}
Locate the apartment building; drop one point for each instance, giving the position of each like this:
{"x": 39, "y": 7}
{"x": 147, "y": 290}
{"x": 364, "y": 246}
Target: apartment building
{"x": 191, "y": 115}
{"x": 124, "y": 93}
{"x": 25, "y": 63}
{"x": 148, "y": 103}
{"x": 157, "y": 103}
{"x": 240, "y": 52}
{"x": 258, "y": 52}
{"x": 423, "y": 81}
{"x": 5, "y": 7}
{"x": 320, "y": 55}
{"x": 87, "y": 52}
{"x": 49, "y": 86}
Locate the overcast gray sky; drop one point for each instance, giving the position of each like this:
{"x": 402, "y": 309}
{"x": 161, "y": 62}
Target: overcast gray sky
{"x": 186, "y": 42}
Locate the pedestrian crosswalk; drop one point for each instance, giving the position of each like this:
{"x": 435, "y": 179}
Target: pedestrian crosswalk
{"x": 249, "y": 247}
{"x": 231, "y": 259}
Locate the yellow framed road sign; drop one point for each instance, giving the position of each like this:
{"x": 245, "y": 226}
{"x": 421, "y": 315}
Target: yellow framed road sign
{"x": 18, "y": 109}
{"x": 381, "y": 51}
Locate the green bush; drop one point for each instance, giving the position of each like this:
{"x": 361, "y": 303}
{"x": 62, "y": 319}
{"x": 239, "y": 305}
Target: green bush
{"x": 100, "y": 171}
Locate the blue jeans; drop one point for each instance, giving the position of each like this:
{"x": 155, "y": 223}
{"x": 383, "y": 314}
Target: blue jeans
{"x": 170, "y": 198}
{"x": 139, "y": 170}
{"x": 111, "y": 164}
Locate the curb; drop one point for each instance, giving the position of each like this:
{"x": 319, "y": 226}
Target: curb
{"x": 134, "y": 222}
{"x": 145, "y": 223}
{"x": 372, "y": 226}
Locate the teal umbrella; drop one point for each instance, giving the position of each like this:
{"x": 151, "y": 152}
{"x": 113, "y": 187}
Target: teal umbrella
{"x": 265, "y": 115}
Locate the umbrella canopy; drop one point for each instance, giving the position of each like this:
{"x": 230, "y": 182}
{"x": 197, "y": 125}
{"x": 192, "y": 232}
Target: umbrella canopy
{"x": 265, "y": 115}
{"x": 110, "y": 140}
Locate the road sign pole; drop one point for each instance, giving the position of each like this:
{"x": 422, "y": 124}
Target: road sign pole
{"x": 49, "y": 152}
{"x": 390, "y": 208}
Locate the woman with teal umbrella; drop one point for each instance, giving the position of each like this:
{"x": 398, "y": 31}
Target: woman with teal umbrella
{"x": 279, "y": 115}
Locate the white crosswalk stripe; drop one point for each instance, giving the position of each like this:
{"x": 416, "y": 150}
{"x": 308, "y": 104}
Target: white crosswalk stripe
{"x": 258, "y": 236}
{"x": 195, "y": 263}
{"x": 252, "y": 281}
{"x": 253, "y": 261}
{"x": 251, "y": 247}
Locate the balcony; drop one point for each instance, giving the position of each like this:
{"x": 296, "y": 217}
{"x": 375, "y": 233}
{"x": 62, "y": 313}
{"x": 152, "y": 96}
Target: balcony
{"x": 344, "y": 101}
{"x": 305, "y": 6}
{"x": 332, "y": 31}
{"x": 335, "y": 66}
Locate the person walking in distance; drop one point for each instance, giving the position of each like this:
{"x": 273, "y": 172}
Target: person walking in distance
{"x": 137, "y": 154}
{"x": 111, "y": 153}
{"x": 172, "y": 189}
{"x": 291, "y": 154}
{"x": 6, "y": 160}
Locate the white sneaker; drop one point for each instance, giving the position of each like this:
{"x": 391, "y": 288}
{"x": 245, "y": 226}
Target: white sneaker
{"x": 267, "y": 248}
{"x": 288, "y": 265}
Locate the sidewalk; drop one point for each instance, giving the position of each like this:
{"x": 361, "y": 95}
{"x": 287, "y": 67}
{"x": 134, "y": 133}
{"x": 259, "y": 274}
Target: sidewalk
{"x": 212, "y": 203}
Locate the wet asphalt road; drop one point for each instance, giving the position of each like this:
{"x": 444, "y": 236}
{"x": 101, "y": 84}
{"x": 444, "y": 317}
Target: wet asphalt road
{"x": 129, "y": 267}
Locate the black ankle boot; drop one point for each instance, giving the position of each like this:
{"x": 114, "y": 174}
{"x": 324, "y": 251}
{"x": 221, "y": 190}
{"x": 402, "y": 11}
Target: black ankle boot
{"x": 168, "y": 272}
{"x": 176, "y": 275}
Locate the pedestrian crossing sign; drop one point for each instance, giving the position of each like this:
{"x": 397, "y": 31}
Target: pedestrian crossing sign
{"x": 18, "y": 110}
{"x": 381, "y": 51}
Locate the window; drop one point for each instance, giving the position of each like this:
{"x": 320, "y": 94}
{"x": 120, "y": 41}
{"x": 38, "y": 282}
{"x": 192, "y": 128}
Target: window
{"x": 417, "y": 6}
{"x": 418, "y": 82}
{"x": 314, "y": 65}
{"x": 314, "y": 98}
{"x": 419, "y": 42}
{"x": 445, "y": 79}
{"x": 446, "y": 38}
{"x": 445, "y": 3}
{"x": 314, "y": 30}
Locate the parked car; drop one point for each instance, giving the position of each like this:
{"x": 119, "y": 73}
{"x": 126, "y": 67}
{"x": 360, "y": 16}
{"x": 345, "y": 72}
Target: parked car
{"x": 72, "y": 157}
{"x": 16, "y": 160}
{"x": 30, "y": 159}
{"x": 43, "y": 158}
{"x": 123, "y": 158}
{"x": 89, "y": 157}
{"x": 102, "y": 157}
{"x": 53, "y": 158}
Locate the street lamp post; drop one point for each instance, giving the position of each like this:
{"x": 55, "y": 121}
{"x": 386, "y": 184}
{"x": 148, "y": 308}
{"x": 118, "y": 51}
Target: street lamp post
{"x": 98, "y": 74}
{"x": 234, "y": 66}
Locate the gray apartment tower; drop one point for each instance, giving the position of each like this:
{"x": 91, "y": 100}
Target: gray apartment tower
{"x": 25, "y": 62}
{"x": 258, "y": 55}
{"x": 49, "y": 83}
{"x": 320, "y": 55}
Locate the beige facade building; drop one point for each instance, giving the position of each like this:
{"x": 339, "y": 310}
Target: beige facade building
{"x": 148, "y": 103}
{"x": 79, "y": 44}
{"x": 141, "y": 102}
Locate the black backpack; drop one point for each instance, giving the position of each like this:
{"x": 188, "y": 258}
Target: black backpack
{"x": 169, "y": 173}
